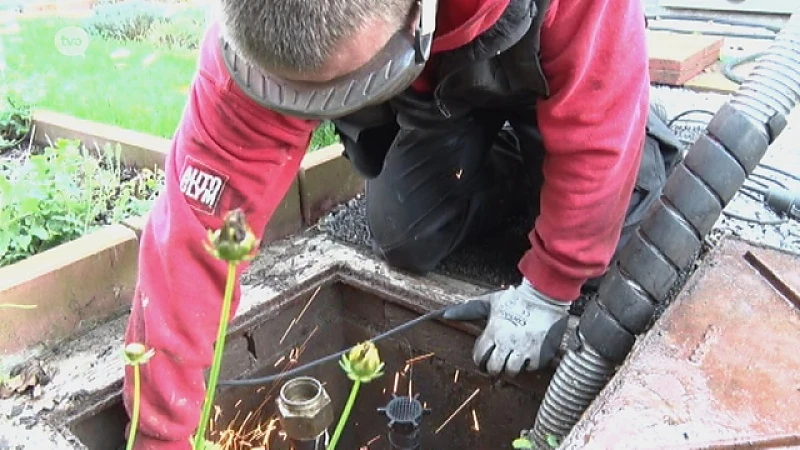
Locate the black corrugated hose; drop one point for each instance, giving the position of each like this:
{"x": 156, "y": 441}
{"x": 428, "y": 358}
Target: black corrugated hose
{"x": 672, "y": 233}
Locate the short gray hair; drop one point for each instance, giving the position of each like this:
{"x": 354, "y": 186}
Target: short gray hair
{"x": 298, "y": 36}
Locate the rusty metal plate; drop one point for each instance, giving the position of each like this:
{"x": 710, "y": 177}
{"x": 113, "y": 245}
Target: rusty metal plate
{"x": 721, "y": 369}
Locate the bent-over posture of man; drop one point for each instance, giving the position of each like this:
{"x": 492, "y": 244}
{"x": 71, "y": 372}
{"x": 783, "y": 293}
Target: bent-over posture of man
{"x": 456, "y": 113}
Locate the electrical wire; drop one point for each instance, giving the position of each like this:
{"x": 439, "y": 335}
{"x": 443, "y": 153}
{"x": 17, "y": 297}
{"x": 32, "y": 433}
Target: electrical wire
{"x": 780, "y": 171}
{"x": 762, "y": 184}
{"x": 754, "y": 219}
{"x": 686, "y": 113}
{"x": 271, "y": 378}
{"x": 750, "y": 188}
{"x": 767, "y": 178}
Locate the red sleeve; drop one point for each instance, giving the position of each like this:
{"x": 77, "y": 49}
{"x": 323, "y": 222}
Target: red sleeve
{"x": 594, "y": 57}
{"x": 227, "y": 153}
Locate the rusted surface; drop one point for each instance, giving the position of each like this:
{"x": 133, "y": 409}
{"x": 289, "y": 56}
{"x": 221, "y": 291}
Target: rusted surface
{"x": 720, "y": 369}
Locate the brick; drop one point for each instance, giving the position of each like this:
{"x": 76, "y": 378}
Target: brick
{"x": 327, "y": 179}
{"x": 719, "y": 368}
{"x": 288, "y": 217}
{"x": 675, "y": 58}
{"x": 138, "y": 149}
{"x": 72, "y": 285}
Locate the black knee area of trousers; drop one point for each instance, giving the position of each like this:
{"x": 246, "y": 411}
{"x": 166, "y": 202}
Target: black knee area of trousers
{"x": 441, "y": 185}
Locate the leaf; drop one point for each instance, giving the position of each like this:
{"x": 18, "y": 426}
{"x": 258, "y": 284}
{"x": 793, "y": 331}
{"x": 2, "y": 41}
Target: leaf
{"x": 23, "y": 241}
{"x": 39, "y": 232}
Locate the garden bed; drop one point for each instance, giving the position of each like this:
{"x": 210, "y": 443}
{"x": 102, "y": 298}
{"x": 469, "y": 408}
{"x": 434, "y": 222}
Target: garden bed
{"x": 91, "y": 278}
{"x": 64, "y": 247}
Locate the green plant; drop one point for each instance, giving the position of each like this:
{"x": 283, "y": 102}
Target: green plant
{"x": 124, "y": 21}
{"x": 362, "y": 364}
{"x": 135, "y": 354}
{"x": 233, "y": 243}
{"x": 324, "y": 135}
{"x": 64, "y": 192}
{"x": 183, "y": 29}
{"x": 16, "y": 112}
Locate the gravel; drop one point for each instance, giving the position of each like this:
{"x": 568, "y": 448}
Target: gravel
{"x": 493, "y": 259}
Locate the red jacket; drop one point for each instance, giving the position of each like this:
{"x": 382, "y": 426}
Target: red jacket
{"x": 230, "y": 153}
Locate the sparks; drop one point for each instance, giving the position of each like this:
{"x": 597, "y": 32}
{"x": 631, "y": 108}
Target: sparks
{"x": 458, "y": 410}
{"x": 396, "y": 382}
{"x": 459, "y": 173}
{"x": 475, "y": 425}
{"x": 299, "y": 316}
{"x": 455, "y": 378}
{"x": 417, "y": 359}
{"x": 370, "y": 442}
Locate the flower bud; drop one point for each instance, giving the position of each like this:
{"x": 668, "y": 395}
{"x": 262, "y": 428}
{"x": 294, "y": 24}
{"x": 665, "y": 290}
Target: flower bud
{"x": 136, "y": 353}
{"x": 234, "y": 241}
{"x": 362, "y": 363}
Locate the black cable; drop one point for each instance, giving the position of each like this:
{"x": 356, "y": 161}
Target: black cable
{"x": 749, "y": 195}
{"x": 755, "y": 189}
{"x": 762, "y": 184}
{"x": 332, "y": 357}
{"x": 686, "y": 113}
{"x": 754, "y": 219}
{"x": 780, "y": 171}
{"x": 764, "y": 177}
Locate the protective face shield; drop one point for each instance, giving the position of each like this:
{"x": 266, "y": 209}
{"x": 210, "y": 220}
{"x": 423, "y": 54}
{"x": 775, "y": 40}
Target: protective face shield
{"x": 388, "y": 73}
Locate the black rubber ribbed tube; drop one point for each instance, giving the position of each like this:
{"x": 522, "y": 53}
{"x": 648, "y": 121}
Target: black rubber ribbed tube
{"x": 672, "y": 233}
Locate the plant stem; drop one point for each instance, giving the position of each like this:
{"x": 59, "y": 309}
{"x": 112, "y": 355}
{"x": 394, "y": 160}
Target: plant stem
{"x": 135, "y": 415}
{"x": 199, "y": 437}
{"x": 345, "y": 414}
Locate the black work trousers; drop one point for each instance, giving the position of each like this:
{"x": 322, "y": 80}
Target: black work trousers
{"x": 440, "y": 185}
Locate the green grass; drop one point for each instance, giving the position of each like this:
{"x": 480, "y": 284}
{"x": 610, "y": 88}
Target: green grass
{"x": 133, "y": 85}
{"x": 128, "y": 84}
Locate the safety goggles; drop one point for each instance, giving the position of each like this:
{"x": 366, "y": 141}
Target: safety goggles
{"x": 388, "y": 73}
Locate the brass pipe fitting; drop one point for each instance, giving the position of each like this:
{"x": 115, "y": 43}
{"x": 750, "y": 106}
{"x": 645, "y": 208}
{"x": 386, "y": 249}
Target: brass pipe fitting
{"x": 305, "y": 409}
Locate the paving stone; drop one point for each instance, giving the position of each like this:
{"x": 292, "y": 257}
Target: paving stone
{"x": 675, "y": 58}
{"x": 719, "y": 369}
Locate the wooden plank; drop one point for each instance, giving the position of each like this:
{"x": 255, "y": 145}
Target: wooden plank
{"x": 753, "y": 6}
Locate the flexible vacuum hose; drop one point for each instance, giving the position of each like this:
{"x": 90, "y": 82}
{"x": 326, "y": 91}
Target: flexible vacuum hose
{"x": 671, "y": 235}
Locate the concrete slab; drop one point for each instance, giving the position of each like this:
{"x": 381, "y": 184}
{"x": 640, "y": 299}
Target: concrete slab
{"x": 718, "y": 370}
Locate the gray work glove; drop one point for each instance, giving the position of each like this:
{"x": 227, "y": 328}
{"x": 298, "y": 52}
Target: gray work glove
{"x": 524, "y": 330}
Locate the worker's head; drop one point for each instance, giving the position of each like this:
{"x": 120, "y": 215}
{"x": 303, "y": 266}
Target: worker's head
{"x": 324, "y": 45}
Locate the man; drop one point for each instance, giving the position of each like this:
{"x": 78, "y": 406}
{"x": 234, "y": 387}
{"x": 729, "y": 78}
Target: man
{"x": 455, "y": 113}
